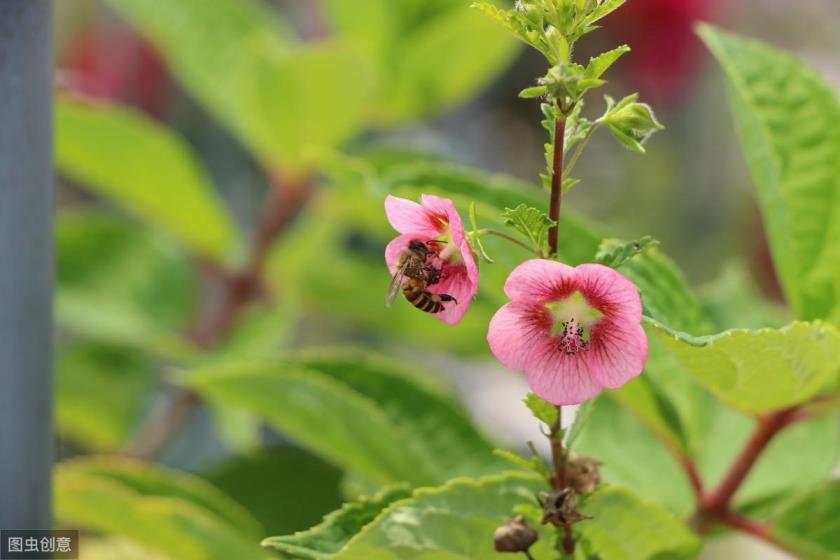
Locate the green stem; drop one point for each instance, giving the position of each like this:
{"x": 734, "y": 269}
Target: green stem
{"x": 579, "y": 150}
{"x": 503, "y": 235}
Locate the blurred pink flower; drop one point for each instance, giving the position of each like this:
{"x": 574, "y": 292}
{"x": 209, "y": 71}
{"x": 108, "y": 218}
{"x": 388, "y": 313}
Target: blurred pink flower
{"x": 111, "y": 61}
{"x": 436, "y": 219}
{"x": 572, "y": 330}
{"x": 666, "y": 51}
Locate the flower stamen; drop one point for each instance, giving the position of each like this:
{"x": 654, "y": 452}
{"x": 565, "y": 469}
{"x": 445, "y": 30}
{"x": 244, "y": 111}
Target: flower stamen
{"x": 572, "y": 338}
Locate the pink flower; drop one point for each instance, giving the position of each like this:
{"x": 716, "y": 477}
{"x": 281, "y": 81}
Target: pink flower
{"x": 436, "y": 220}
{"x": 572, "y": 330}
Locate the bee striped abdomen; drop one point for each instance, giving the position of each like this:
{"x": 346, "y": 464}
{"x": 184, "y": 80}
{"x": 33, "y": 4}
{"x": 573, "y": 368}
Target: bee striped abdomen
{"x": 422, "y": 299}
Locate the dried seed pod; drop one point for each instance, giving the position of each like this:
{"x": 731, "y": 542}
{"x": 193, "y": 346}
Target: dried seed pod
{"x": 560, "y": 507}
{"x": 583, "y": 473}
{"x": 515, "y": 536}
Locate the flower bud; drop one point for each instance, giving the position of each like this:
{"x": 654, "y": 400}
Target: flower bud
{"x": 515, "y": 536}
{"x": 560, "y": 508}
{"x": 582, "y": 474}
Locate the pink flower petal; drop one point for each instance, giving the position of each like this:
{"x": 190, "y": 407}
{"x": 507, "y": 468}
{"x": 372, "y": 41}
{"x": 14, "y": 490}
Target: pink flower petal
{"x": 407, "y": 216}
{"x": 618, "y": 351}
{"x": 458, "y": 285}
{"x": 563, "y": 378}
{"x": 516, "y": 334}
{"x": 610, "y": 292}
{"x": 540, "y": 280}
{"x": 444, "y": 209}
{"x": 395, "y": 248}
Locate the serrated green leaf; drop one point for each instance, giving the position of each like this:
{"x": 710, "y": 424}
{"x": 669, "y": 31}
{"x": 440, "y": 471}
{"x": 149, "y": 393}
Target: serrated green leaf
{"x": 277, "y": 96}
{"x": 167, "y": 511}
{"x": 145, "y": 169}
{"x": 603, "y": 9}
{"x": 785, "y": 115}
{"x": 601, "y": 63}
{"x": 326, "y": 539}
{"x": 615, "y": 252}
{"x": 542, "y": 410}
{"x": 811, "y": 524}
{"x": 532, "y": 223}
{"x": 761, "y": 370}
{"x": 455, "y": 521}
{"x": 627, "y": 527}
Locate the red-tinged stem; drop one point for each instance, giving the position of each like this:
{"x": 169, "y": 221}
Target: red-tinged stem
{"x": 761, "y": 531}
{"x": 718, "y": 501}
{"x": 556, "y": 182}
{"x": 693, "y": 474}
{"x": 238, "y": 289}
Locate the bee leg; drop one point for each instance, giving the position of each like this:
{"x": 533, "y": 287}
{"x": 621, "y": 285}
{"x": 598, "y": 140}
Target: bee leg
{"x": 447, "y": 297}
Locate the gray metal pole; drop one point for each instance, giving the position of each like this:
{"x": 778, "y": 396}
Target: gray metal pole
{"x": 26, "y": 263}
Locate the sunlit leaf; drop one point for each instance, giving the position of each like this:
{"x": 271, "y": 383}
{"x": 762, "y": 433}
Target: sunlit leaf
{"x": 761, "y": 370}
{"x": 164, "y": 510}
{"x": 625, "y": 526}
{"x": 786, "y": 117}
{"x": 326, "y": 539}
{"x": 281, "y": 99}
{"x": 144, "y": 168}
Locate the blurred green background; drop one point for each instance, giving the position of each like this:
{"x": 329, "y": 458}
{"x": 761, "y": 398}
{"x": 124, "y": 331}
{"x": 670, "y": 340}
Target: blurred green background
{"x": 175, "y": 119}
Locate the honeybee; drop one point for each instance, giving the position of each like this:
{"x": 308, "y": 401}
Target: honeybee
{"x": 415, "y": 273}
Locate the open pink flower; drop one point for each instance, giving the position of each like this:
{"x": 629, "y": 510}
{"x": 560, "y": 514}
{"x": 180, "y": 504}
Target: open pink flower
{"x": 436, "y": 219}
{"x": 572, "y": 330}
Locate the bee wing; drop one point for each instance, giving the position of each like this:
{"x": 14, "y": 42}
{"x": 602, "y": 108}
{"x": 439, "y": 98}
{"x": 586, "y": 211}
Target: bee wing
{"x": 396, "y": 284}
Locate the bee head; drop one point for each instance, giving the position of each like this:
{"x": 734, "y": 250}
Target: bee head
{"x": 418, "y": 246}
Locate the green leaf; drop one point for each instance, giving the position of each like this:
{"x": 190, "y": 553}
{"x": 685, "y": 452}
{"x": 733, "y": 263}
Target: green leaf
{"x": 268, "y": 481}
{"x": 382, "y": 424}
{"x": 535, "y": 463}
{"x": 734, "y": 300}
{"x": 119, "y": 283}
{"x": 633, "y": 457}
{"x": 798, "y": 458}
{"x": 326, "y": 539}
{"x": 533, "y": 92}
{"x": 632, "y": 123}
{"x": 627, "y": 527}
{"x": 101, "y": 391}
{"x": 542, "y": 410}
{"x": 145, "y": 169}
{"x": 455, "y": 521}
{"x": 761, "y": 370}
{"x": 422, "y": 62}
{"x": 614, "y": 252}
{"x": 532, "y": 223}
{"x": 278, "y": 97}
{"x": 811, "y": 524}
{"x": 167, "y": 511}
{"x": 666, "y": 295}
{"x": 786, "y": 118}
{"x": 601, "y": 63}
